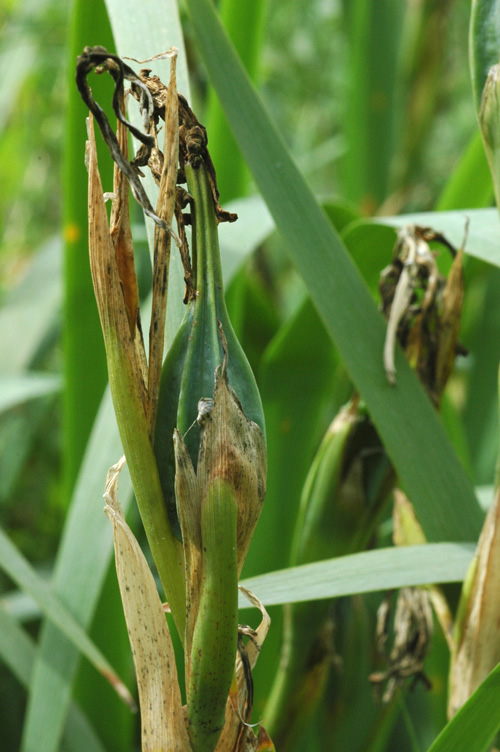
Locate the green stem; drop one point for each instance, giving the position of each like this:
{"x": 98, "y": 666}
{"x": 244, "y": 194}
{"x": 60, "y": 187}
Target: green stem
{"x": 126, "y": 385}
{"x": 215, "y": 634}
{"x": 335, "y": 518}
{"x": 134, "y": 434}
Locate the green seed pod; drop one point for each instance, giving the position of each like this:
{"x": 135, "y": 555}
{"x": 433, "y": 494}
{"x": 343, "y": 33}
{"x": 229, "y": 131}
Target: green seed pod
{"x": 218, "y": 509}
{"x": 214, "y": 468}
{"x": 189, "y": 368}
{"x": 205, "y": 351}
{"x": 232, "y": 447}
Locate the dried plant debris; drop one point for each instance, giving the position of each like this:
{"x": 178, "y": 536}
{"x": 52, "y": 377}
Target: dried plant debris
{"x": 412, "y": 635}
{"x": 408, "y": 532}
{"x": 151, "y": 95}
{"x": 112, "y": 255}
{"x": 100, "y": 60}
{"x": 185, "y": 139}
{"x": 193, "y": 139}
{"x": 166, "y": 207}
{"x": 162, "y": 716}
{"x": 238, "y": 734}
{"x": 476, "y": 640}
{"x": 422, "y": 308}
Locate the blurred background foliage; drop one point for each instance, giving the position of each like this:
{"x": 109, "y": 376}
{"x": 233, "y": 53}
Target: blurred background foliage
{"x": 374, "y": 101}
{"x": 305, "y": 77}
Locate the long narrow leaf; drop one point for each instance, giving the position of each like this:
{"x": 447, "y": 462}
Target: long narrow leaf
{"x": 409, "y": 427}
{"x": 141, "y": 31}
{"x": 240, "y": 238}
{"x": 366, "y": 572}
{"x": 30, "y": 309}
{"x": 244, "y": 22}
{"x": 474, "y": 727}
{"x": 21, "y": 572}
{"x": 86, "y": 548}
{"x": 82, "y": 562}
{"x": 483, "y": 238}
{"x": 84, "y": 363}
{"x": 14, "y": 390}
{"x": 27, "y": 315}
{"x": 370, "y": 115}
{"x": 17, "y": 651}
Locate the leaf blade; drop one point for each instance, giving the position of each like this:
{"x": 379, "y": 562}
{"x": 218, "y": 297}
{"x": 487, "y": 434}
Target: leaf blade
{"x": 365, "y": 572}
{"x": 474, "y": 726}
{"x": 20, "y": 571}
{"x": 403, "y": 416}
{"x": 483, "y": 240}
{"x": 17, "y": 650}
{"x": 15, "y": 390}
{"x": 77, "y": 580}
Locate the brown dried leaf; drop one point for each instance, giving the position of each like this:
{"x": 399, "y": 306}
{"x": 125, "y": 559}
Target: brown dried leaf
{"x": 408, "y": 532}
{"x": 108, "y": 287}
{"x": 165, "y": 210}
{"x": 189, "y": 509}
{"x": 412, "y": 633}
{"x": 413, "y": 252}
{"x": 254, "y": 646}
{"x": 193, "y": 147}
{"x": 423, "y": 308}
{"x": 477, "y": 648}
{"x": 162, "y": 716}
{"x": 121, "y": 234}
{"x": 450, "y": 322}
{"x": 101, "y": 60}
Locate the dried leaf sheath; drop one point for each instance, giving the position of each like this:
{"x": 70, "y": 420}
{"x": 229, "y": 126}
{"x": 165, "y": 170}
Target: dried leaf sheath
{"x": 477, "y": 643}
{"x": 165, "y": 209}
{"x": 408, "y": 532}
{"x": 108, "y": 290}
{"x": 99, "y": 59}
{"x": 236, "y": 736}
{"x": 128, "y": 394}
{"x": 188, "y": 493}
{"x": 162, "y": 716}
{"x": 453, "y": 295}
{"x": 233, "y": 447}
{"x": 121, "y": 234}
